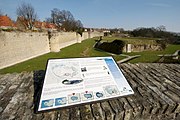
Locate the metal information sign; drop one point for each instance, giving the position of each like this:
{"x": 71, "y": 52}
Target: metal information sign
{"x": 76, "y": 81}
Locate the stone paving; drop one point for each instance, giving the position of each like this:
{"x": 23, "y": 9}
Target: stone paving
{"x": 156, "y": 87}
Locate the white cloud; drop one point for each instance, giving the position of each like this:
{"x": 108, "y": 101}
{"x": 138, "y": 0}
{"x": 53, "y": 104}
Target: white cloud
{"x": 159, "y": 5}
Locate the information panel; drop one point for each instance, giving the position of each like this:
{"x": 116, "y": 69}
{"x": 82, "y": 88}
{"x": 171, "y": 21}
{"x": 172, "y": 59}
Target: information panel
{"x": 76, "y": 81}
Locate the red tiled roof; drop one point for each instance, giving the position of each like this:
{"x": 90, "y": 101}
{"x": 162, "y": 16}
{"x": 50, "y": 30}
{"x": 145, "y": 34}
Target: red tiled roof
{"x": 39, "y": 24}
{"x": 50, "y": 25}
{"x": 6, "y": 21}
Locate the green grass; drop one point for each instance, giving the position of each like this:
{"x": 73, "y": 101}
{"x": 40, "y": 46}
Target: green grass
{"x": 152, "y": 56}
{"x": 85, "y": 49}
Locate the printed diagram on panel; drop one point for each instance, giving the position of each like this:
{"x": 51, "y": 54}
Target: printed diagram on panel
{"x": 67, "y": 73}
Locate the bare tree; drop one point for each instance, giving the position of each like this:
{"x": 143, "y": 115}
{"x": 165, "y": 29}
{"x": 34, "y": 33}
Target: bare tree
{"x": 63, "y": 19}
{"x": 49, "y": 20}
{"x": 27, "y": 15}
{"x": 79, "y": 24}
{"x": 161, "y": 28}
{"x": 1, "y": 13}
{"x": 79, "y": 27}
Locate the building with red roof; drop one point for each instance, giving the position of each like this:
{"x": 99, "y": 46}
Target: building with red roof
{"x": 22, "y": 24}
{"x": 6, "y": 22}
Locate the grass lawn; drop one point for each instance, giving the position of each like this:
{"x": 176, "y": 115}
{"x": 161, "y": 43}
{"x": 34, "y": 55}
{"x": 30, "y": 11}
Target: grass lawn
{"x": 152, "y": 56}
{"x": 85, "y": 49}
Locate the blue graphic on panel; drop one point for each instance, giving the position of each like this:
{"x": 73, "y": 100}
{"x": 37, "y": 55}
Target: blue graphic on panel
{"x": 74, "y": 98}
{"x": 88, "y": 96}
{"x": 116, "y": 73}
{"x": 47, "y": 103}
{"x": 99, "y": 94}
{"x": 60, "y": 101}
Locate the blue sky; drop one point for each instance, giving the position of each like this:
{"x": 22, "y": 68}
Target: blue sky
{"x": 127, "y": 14}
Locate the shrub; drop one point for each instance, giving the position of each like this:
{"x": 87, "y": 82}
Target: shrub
{"x": 8, "y": 29}
{"x": 162, "y": 43}
{"x": 115, "y": 47}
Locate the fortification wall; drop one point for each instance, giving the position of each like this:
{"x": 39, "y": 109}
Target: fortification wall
{"x": 95, "y": 34}
{"x": 16, "y": 47}
{"x": 141, "y": 48}
{"x": 64, "y": 39}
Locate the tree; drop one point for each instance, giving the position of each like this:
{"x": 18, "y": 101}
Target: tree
{"x": 49, "y": 20}
{"x": 79, "y": 27}
{"x": 1, "y": 13}
{"x": 59, "y": 17}
{"x": 79, "y": 24}
{"x": 64, "y": 19}
{"x": 161, "y": 28}
{"x": 27, "y": 15}
{"x": 159, "y": 32}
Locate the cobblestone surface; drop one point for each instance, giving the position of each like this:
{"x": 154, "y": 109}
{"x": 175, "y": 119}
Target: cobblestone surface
{"x": 156, "y": 87}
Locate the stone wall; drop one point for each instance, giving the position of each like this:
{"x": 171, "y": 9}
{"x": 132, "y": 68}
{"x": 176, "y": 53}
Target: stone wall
{"x": 64, "y": 39}
{"x": 16, "y": 47}
{"x": 140, "y": 48}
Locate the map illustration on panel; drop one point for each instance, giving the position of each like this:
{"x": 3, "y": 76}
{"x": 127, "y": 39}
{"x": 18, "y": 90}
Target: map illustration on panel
{"x": 67, "y": 73}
